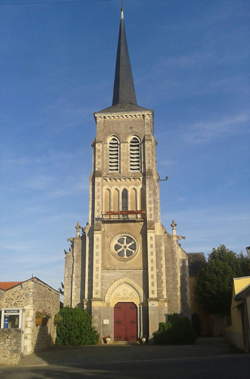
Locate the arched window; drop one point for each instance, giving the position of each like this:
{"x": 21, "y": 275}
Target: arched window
{"x": 124, "y": 200}
{"x": 107, "y": 200}
{"x": 116, "y": 200}
{"x": 114, "y": 155}
{"x": 135, "y": 154}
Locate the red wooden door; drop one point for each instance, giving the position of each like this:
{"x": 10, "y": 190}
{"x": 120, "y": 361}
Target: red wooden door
{"x": 125, "y": 322}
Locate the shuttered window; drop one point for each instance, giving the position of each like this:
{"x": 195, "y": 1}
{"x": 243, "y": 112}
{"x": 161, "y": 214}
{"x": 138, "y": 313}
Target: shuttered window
{"x": 114, "y": 155}
{"x": 135, "y": 154}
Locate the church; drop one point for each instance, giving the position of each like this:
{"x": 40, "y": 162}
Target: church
{"x": 124, "y": 267}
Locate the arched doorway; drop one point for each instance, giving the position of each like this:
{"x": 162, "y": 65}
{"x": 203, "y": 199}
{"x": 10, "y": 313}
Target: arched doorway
{"x": 125, "y": 322}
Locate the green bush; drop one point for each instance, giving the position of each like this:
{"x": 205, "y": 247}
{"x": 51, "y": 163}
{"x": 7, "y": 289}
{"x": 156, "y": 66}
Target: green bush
{"x": 177, "y": 330}
{"x": 74, "y": 327}
{"x": 215, "y": 280}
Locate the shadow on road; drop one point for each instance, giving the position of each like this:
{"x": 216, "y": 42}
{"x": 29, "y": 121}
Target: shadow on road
{"x": 93, "y": 355}
{"x": 208, "y": 358}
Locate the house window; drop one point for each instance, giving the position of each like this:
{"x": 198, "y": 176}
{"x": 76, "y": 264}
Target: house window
{"x": 135, "y": 154}
{"x": 10, "y": 318}
{"x": 114, "y": 155}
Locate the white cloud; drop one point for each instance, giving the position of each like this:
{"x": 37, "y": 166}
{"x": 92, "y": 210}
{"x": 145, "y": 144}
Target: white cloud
{"x": 206, "y": 130}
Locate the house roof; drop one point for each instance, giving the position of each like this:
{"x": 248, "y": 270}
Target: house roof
{"x": 7, "y": 285}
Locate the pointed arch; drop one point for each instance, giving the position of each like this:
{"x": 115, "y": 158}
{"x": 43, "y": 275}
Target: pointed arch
{"x": 124, "y": 199}
{"x": 135, "y": 154}
{"x": 124, "y": 290}
{"x": 114, "y": 154}
{"x": 107, "y": 199}
{"x": 116, "y": 199}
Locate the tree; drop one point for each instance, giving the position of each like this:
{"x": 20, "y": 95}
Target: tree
{"x": 244, "y": 265}
{"x": 74, "y": 327}
{"x": 214, "y": 283}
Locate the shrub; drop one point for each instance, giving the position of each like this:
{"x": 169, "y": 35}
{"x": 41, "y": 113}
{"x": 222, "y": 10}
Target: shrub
{"x": 74, "y": 327}
{"x": 177, "y": 330}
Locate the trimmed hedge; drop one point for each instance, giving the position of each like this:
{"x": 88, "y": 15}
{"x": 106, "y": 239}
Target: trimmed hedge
{"x": 74, "y": 327}
{"x": 177, "y": 330}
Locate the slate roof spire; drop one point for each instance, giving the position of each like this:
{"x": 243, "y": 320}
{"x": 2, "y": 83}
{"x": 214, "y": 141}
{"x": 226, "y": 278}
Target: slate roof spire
{"x": 124, "y": 97}
{"x": 124, "y": 90}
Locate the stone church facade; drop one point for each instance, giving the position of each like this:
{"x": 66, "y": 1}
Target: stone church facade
{"x": 123, "y": 266}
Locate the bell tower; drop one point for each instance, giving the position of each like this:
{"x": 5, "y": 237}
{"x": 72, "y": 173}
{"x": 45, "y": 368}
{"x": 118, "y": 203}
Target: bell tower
{"x": 130, "y": 271}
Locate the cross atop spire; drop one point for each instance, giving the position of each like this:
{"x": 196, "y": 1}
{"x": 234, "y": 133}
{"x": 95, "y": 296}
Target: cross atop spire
{"x": 122, "y": 14}
{"x": 124, "y": 91}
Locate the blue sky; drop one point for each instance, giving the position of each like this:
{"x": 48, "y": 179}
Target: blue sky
{"x": 191, "y": 65}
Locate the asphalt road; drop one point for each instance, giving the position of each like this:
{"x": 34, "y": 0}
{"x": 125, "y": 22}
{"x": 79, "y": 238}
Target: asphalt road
{"x": 205, "y": 360}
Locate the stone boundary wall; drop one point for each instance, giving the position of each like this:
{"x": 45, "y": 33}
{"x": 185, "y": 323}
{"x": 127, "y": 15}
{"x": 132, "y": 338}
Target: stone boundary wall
{"x": 10, "y": 346}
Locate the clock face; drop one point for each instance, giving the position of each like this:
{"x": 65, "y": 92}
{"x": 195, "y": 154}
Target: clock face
{"x": 124, "y": 246}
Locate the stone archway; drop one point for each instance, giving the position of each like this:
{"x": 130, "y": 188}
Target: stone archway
{"x": 124, "y": 290}
{"x": 125, "y": 298}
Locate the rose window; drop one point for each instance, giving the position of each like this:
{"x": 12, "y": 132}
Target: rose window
{"x": 125, "y": 246}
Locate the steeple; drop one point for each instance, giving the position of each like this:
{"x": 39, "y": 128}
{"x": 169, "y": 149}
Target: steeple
{"x": 124, "y": 97}
{"x": 124, "y": 90}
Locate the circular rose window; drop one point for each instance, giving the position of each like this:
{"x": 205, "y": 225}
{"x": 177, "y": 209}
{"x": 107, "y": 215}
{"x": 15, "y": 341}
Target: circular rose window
{"x": 124, "y": 246}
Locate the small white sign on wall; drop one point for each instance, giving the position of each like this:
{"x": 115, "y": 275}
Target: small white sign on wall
{"x": 105, "y": 322}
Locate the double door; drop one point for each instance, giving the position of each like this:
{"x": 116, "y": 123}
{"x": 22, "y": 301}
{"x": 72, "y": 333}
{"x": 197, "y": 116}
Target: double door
{"x": 125, "y": 322}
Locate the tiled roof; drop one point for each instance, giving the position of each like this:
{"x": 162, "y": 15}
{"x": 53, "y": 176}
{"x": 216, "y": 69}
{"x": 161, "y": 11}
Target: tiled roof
{"x": 7, "y": 285}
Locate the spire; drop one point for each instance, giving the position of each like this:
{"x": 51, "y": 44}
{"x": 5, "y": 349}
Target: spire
{"x": 124, "y": 91}
{"x": 124, "y": 98}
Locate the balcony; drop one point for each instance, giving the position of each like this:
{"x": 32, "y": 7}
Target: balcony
{"x": 124, "y": 216}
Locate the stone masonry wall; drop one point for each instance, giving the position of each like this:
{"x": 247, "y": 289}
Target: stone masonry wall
{"x": 17, "y": 297}
{"x": 46, "y": 300}
{"x": 1, "y": 295}
{"x": 77, "y": 272}
{"x": 172, "y": 276}
{"x": 10, "y": 346}
{"x": 68, "y": 273}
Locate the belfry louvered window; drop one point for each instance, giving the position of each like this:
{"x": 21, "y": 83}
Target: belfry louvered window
{"x": 114, "y": 155}
{"x": 135, "y": 154}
